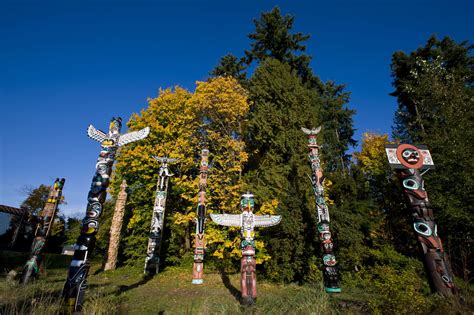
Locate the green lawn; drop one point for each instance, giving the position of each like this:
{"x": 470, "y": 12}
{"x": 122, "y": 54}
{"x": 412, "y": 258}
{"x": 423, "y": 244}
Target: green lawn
{"x": 126, "y": 291}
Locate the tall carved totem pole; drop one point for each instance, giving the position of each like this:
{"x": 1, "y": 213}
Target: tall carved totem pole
{"x": 330, "y": 270}
{"x": 76, "y": 283}
{"x": 409, "y": 160}
{"x": 43, "y": 229}
{"x": 116, "y": 227}
{"x": 247, "y": 222}
{"x": 200, "y": 245}
{"x": 152, "y": 260}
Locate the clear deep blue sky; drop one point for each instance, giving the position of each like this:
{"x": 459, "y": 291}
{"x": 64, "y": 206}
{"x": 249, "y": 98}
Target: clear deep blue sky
{"x": 66, "y": 64}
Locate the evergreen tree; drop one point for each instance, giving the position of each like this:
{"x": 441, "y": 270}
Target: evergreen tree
{"x": 278, "y": 165}
{"x": 272, "y": 39}
{"x": 338, "y": 127}
{"x": 230, "y": 65}
{"x": 434, "y": 90}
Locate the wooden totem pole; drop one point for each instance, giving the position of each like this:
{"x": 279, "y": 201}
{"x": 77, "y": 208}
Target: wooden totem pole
{"x": 199, "y": 244}
{"x": 76, "y": 282}
{"x": 409, "y": 160}
{"x": 152, "y": 260}
{"x": 43, "y": 230}
{"x": 116, "y": 227}
{"x": 247, "y": 222}
{"x": 330, "y": 270}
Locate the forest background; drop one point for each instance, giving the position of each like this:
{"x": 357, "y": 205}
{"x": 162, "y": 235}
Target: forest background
{"x": 249, "y": 114}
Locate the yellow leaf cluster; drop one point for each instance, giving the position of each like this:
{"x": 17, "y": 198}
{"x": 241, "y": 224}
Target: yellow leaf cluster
{"x": 178, "y": 120}
{"x": 372, "y": 157}
{"x": 268, "y": 207}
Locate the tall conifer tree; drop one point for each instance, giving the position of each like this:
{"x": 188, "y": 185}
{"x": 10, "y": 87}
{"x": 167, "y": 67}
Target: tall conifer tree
{"x": 277, "y": 166}
{"x": 434, "y": 90}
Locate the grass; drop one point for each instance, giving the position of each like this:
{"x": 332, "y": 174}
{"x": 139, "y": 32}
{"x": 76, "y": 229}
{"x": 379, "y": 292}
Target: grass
{"x": 127, "y": 291}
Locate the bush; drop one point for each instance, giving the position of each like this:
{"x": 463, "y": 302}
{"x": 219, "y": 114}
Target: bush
{"x": 398, "y": 291}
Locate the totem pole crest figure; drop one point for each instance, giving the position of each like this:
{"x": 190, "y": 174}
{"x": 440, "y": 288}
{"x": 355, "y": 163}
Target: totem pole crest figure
{"x": 152, "y": 260}
{"x": 247, "y": 222}
{"x": 330, "y": 270}
{"x": 76, "y": 282}
{"x": 200, "y": 244}
{"x": 409, "y": 161}
{"x": 43, "y": 230}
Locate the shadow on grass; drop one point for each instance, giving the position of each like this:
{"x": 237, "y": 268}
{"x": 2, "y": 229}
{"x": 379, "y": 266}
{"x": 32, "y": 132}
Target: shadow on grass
{"x": 233, "y": 290}
{"x": 125, "y": 288}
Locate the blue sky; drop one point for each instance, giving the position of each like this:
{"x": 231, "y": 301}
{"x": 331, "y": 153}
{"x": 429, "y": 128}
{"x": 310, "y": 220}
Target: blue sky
{"x": 64, "y": 65}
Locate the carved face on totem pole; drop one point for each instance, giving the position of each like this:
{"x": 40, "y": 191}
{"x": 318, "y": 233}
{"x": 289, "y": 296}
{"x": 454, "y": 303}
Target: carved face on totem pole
{"x": 247, "y": 204}
{"x": 409, "y": 161}
{"x": 407, "y": 156}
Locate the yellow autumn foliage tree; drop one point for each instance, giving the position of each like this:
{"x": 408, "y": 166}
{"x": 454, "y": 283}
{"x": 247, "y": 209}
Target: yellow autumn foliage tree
{"x": 372, "y": 158}
{"x": 182, "y": 124}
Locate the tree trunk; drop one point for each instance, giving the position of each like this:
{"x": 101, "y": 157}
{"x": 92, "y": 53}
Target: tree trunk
{"x": 116, "y": 228}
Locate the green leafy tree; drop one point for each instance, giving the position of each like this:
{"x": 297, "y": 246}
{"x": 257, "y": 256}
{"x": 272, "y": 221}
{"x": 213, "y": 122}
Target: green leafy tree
{"x": 34, "y": 204}
{"x": 73, "y": 230}
{"x": 391, "y": 221}
{"x": 183, "y": 123}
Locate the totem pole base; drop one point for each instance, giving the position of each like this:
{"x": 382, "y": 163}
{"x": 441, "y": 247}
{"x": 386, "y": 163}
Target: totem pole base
{"x": 332, "y": 290}
{"x": 198, "y": 270}
{"x": 248, "y": 301}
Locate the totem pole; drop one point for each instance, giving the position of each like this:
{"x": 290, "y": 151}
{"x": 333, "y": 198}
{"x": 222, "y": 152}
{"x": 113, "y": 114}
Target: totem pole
{"x": 116, "y": 227}
{"x": 330, "y": 270}
{"x": 43, "y": 230}
{"x": 152, "y": 260}
{"x": 199, "y": 245}
{"x": 76, "y": 282}
{"x": 247, "y": 222}
{"x": 409, "y": 160}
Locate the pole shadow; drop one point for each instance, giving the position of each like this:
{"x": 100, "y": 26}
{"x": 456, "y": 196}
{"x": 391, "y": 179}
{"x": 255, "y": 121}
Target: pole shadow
{"x": 125, "y": 288}
{"x": 233, "y": 290}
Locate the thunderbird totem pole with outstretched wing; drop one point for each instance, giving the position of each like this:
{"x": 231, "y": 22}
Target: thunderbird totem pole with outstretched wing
{"x": 247, "y": 222}
{"x": 409, "y": 160}
{"x": 76, "y": 283}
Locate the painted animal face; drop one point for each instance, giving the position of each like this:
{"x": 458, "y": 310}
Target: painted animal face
{"x": 411, "y": 156}
{"x": 247, "y": 219}
{"x": 247, "y": 202}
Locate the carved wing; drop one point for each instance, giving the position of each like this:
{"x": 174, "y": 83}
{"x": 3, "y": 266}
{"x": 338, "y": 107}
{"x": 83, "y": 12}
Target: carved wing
{"x": 266, "y": 220}
{"x": 226, "y": 219}
{"x": 314, "y": 131}
{"x": 165, "y": 159}
{"x": 133, "y": 136}
{"x": 96, "y": 134}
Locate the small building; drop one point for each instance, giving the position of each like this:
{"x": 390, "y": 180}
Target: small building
{"x": 68, "y": 250}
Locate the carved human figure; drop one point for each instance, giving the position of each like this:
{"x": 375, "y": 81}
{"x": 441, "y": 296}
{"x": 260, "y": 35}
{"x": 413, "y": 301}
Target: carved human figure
{"x": 200, "y": 244}
{"x": 152, "y": 260}
{"x": 330, "y": 270}
{"x": 43, "y": 230}
{"x": 247, "y": 222}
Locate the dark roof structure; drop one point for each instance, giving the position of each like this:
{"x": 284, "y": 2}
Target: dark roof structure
{"x": 12, "y": 210}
